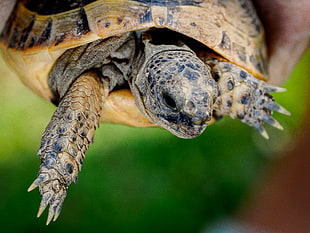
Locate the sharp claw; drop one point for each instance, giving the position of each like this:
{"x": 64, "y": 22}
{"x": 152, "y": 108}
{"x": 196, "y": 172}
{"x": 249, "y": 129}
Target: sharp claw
{"x": 264, "y": 134}
{"x": 269, "y": 89}
{"x": 33, "y": 185}
{"x": 59, "y": 205}
{"x": 55, "y": 200}
{"x": 262, "y": 131}
{"x": 51, "y": 212}
{"x": 41, "y": 210}
{"x": 276, "y": 107}
{"x": 57, "y": 211}
{"x": 39, "y": 180}
{"x": 44, "y": 202}
{"x": 270, "y": 120}
{"x": 53, "y": 193}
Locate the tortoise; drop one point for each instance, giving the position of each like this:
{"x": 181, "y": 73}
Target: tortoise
{"x": 176, "y": 64}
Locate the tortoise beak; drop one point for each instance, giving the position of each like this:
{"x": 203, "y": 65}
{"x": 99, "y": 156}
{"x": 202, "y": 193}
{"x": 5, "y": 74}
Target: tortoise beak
{"x": 202, "y": 119}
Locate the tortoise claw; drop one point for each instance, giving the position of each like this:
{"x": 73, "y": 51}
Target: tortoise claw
{"x": 269, "y": 89}
{"x": 50, "y": 215}
{"x": 59, "y": 206}
{"x": 53, "y": 193}
{"x": 34, "y": 185}
{"x": 38, "y": 181}
{"x": 273, "y": 122}
{"x": 262, "y": 131}
{"x": 44, "y": 202}
{"x": 276, "y": 107}
{"x": 266, "y": 117}
{"x": 55, "y": 206}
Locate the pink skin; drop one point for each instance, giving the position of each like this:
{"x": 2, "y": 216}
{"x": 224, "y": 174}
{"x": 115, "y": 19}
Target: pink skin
{"x": 282, "y": 204}
{"x": 6, "y": 6}
{"x": 287, "y": 25}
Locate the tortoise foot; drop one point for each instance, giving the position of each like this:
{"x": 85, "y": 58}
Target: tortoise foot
{"x": 53, "y": 189}
{"x": 246, "y": 98}
{"x": 65, "y": 141}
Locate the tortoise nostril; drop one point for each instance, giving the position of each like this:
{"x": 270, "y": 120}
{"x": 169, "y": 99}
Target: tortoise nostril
{"x": 190, "y": 105}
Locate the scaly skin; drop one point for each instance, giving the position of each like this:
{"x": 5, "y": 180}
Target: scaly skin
{"x": 66, "y": 139}
{"x": 245, "y": 97}
{"x": 172, "y": 87}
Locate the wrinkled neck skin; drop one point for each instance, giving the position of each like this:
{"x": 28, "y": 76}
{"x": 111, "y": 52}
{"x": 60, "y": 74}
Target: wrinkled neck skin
{"x": 110, "y": 57}
{"x": 174, "y": 88}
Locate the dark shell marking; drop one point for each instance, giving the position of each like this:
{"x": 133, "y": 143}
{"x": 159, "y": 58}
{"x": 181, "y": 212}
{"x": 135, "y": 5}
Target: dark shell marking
{"x": 19, "y": 37}
{"x": 82, "y": 26}
{"x": 231, "y": 28}
{"x": 23, "y": 31}
{"x": 171, "y": 2}
{"x": 50, "y": 7}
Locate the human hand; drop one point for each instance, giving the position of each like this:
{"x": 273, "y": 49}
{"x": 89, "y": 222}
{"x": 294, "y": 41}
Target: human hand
{"x": 287, "y": 26}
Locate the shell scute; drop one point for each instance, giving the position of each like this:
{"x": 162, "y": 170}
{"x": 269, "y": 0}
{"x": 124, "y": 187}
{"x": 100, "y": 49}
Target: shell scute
{"x": 229, "y": 27}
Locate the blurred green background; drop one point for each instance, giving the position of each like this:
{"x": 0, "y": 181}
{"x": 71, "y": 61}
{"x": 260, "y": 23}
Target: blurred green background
{"x": 139, "y": 180}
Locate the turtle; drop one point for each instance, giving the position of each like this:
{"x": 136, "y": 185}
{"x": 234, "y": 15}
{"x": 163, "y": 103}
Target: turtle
{"x": 175, "y": 64}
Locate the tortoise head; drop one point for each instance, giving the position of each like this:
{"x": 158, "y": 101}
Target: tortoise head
{"x": 176, "y": 91}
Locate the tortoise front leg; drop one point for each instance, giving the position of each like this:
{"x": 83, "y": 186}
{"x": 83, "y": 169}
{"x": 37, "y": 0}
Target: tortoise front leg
{"x": 66, "y": 139}
{"x": 245, "y": 97}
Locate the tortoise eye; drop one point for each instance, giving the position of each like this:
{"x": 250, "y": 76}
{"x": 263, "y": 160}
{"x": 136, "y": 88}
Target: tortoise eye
{"x": 169, "y": 101}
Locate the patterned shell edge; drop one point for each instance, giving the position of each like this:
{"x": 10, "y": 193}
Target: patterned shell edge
{"x": 34, "y": 38}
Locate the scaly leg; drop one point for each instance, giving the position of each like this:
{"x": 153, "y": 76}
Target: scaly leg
{"x": 66, "y": 140}
{"x": 245, "y": 97}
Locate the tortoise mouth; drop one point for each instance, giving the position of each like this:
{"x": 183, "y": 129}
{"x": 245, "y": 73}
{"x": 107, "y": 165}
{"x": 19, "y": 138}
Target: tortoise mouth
{"x": 182, "y": 125}
{"x": 186, "y": 132}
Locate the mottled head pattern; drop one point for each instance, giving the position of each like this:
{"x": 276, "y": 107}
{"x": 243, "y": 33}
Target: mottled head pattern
{"x": 177, "y": 92}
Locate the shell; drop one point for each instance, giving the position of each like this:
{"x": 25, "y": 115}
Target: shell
{"x": 37, "y": 34}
